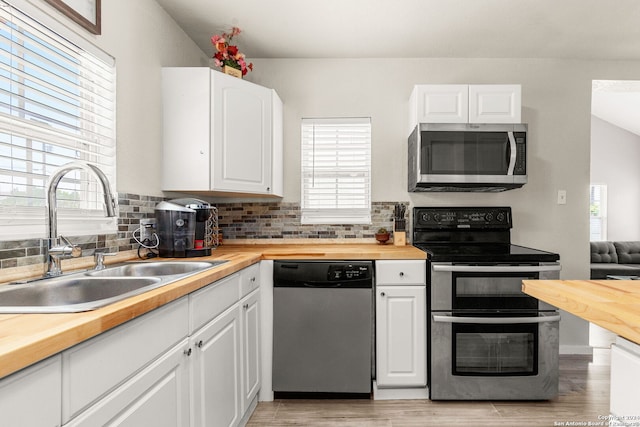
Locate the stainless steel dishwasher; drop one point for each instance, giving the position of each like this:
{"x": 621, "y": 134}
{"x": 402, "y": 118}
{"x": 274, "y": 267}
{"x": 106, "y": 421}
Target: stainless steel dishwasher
{"x": 322, "y": 327}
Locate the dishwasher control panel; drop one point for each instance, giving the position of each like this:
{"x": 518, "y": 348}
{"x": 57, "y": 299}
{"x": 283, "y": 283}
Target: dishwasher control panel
{"x": 349, "y": 272}
{"x": 319, "y": 274}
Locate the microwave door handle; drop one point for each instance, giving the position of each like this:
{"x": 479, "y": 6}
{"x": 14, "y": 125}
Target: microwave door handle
{"x": 496, "y": 269}
{"x": 439, "y": 318}
{"x": 512, "y": 153}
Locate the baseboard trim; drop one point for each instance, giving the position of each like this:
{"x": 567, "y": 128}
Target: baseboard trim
{"x": 575, "y": 349}
{"x": 399, "y": 393}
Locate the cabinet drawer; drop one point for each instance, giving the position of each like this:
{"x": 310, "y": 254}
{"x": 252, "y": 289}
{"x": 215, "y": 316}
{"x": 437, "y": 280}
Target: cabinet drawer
{"x": 31, "y": 397}
{"x": 249, "y": 279}
{"x": 209, "y": 302}
{"x": 95, "y": 367}
{"x": 403, "y": 272}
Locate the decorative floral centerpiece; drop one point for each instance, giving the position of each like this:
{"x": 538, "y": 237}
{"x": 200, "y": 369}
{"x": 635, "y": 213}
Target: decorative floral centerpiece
{"x": 228, "y": 55}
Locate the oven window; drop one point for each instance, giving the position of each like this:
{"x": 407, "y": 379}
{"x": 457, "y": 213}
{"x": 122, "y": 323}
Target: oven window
{"x": 491, "y": 292}
{"x": 495, "y": 350}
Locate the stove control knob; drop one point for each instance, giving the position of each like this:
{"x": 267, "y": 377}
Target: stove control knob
{"x": 500, "y": 217}
{"x": 436, "y": 217}
{"x": 488, "y": 217}
{"x": 426, "y": 217}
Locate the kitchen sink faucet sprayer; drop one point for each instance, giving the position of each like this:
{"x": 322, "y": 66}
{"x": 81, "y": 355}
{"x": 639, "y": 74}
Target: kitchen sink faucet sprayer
{"x": 55, "y": 251}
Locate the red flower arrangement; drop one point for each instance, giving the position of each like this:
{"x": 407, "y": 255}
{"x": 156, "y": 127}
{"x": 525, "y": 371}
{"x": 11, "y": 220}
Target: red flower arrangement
{"x": 229, "y": 55}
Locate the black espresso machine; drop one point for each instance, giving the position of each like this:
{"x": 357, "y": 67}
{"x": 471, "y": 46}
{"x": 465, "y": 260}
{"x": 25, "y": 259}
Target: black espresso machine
{"x": 185, "y": 228}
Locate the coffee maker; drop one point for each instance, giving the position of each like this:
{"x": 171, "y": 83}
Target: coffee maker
{"x": 185, "y": 228}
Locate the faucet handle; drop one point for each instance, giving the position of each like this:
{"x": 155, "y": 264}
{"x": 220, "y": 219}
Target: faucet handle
{"x": 99, "y": 259}
{"x": 71, "y": 249}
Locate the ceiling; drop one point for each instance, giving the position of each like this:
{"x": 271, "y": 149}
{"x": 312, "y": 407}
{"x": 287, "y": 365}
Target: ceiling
{"x": 569, "y": 29}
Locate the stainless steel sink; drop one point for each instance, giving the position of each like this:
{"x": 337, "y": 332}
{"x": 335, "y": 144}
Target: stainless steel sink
{"x": 90, "y": 290}
{"x": 71, "y": 294}
{"x": 155, "y": 269}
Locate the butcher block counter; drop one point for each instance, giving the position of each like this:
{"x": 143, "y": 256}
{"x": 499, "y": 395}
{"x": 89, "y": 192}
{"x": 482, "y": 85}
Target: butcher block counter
{"x": 611, "y": 304}
{"x": 29, "y": 338}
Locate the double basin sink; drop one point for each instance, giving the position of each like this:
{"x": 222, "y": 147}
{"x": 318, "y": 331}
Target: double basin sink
{"x": 93, "y": 289}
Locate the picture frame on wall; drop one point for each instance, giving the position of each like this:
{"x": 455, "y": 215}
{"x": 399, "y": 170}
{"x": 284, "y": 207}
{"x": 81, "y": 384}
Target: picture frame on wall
{"x": 86, "y": 13}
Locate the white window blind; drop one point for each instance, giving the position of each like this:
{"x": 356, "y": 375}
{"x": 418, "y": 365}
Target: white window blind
{"x": 57, "y": 105}
{"x": 336, "y": 171}
{"x": 597, "y": 212}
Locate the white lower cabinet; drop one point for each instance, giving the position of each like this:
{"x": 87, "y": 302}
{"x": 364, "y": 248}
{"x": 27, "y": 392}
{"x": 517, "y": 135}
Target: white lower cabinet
{"x": 625, "y": 377}
{"x": 192, "y": 362}
{"x": 226, "y": 373}
{"x": 401, "y": 333}
{"x": 216, "y": 382}
{"x": 251, "y": 373}
{"x": 157, "y": 396}
{"x": 32, "y": 397}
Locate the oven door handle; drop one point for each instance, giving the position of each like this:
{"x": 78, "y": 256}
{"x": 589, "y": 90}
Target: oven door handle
{"x": 494, "y": 320}
{"x": 496, "y": 268}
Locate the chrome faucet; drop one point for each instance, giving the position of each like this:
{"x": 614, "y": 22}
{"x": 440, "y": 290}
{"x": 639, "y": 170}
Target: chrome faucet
{"x": 55, "y": 251}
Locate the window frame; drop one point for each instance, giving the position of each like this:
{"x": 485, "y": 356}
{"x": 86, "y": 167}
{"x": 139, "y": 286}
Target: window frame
{"x": 357, "y": 209}
{"x": 600, "y": 216}
{"x": 86, "y": 216}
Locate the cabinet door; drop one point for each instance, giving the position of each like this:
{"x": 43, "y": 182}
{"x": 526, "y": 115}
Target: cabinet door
{"x": 186, "y": 138}
{"x": 216, "y": 382}
{"x": 114, "y": 356}
{"x": 32, "y": 396}
{"x": 494, "y": 103}
{"x": 241, "y": 129}
{"x": 250, "y": 348}
{"x": 439, "y": 104}
{"x": 158, "y": 396}
{"x": 401, "y": 339}
{"x": 625, "y": 376}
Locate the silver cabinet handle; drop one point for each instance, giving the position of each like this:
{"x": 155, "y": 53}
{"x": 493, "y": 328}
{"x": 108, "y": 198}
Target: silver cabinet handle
{"x": 199, "y": 344}
{"x": 494, "y": 320}
{"x": 401, "y": 274}
{"x": 382, "y": 294}
{"x": 496, "y": 268}
{"x": 187, "y": 352}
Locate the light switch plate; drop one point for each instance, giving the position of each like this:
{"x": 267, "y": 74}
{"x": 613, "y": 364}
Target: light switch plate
{"x": 562, "y": 197}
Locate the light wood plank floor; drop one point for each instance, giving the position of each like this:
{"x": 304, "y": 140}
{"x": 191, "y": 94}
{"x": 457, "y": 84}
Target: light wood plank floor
{"x": 583, "y": 397}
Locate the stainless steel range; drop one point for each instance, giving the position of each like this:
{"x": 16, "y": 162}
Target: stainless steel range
{"x": 488, "y": 340}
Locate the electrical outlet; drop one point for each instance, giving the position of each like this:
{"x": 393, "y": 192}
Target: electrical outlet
{"x": 562, "y": 197}
{"x": 147, "y": 228}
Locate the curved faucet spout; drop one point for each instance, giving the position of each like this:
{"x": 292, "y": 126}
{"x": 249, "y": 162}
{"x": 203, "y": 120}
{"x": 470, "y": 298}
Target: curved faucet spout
{"x": 55, "y": 253}
{"x": 52, "y": 185}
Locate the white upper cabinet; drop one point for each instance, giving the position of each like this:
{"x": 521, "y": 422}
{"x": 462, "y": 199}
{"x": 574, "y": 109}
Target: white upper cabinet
{"x": 439, "y": 104}
{"x": 464, "y": 104}
{"x": 221, "y": 134}
{"x": 494, "y": 103}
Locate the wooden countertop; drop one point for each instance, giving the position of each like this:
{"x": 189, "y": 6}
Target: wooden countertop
{"x": 611, "y": 304}
{"x": 28, "y": 338}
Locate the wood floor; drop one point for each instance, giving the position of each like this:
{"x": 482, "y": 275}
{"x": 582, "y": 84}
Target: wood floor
{"x": 583, "y": 398}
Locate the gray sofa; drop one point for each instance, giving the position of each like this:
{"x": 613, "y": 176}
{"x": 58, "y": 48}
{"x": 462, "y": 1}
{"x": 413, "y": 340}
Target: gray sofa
{"x": 615, "y": 259}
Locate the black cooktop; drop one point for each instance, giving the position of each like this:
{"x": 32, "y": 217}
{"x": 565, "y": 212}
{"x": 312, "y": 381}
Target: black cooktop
{"x": 471, "y": 235}
{"x": 484, "y": 253}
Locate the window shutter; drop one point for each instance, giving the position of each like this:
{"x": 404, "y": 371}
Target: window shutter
{"x": 336, "y": 171}
{"x": 57, "y": 105}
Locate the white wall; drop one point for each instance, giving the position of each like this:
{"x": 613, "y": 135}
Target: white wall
{"x": 615, "y": 156}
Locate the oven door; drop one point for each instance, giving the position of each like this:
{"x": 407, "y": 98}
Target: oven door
{"x": 479, "y": 357}
{"x": 487, "y": 287}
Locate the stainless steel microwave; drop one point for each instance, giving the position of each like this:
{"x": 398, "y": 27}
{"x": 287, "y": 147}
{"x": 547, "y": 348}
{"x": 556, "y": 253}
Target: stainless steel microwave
{"x": 467, "y": 157}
